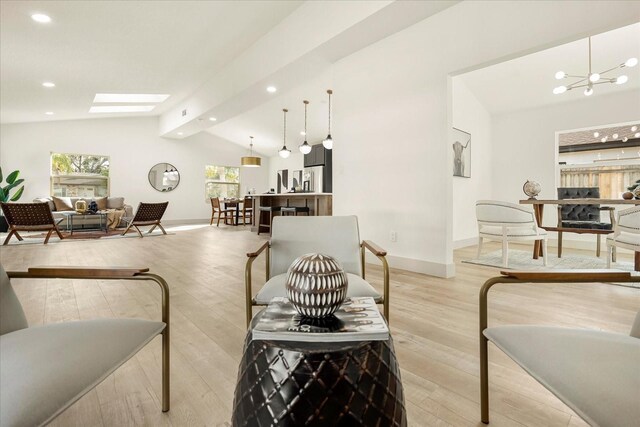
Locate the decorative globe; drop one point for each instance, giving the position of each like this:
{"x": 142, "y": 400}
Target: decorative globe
{"x": 531, "y": 189}
{"x": 316, "y": 285}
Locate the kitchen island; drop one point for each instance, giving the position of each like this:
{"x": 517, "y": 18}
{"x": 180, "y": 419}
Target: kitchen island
{"x": 318, "y": 203}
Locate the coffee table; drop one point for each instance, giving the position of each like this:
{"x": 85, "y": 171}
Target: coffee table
{"x": 70, "y": 223}
{"x": 286, "y": 383}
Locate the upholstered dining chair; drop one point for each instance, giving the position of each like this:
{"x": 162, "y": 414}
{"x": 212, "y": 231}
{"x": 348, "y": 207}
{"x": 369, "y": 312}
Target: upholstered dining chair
{"x": 217, "y": 209}
{"x": 596, "y": 373}
{"x": 337, "y": 236}
{"x": 626, "y": 233}
{"x": 148, "y": 214}
{"x": 45, "y": 369}
{"x": 507, "y": 222}
{"x": 582, "y": 219}
{"x": 29, "y": 217}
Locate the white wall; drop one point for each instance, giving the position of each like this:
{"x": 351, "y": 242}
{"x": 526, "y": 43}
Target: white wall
{"x": 470, "y": 116}
{"x": 134, "y": 147}
{"x": 392, "y": 157}
{"x": 294, "y": 162}
{"x": 524, "y": 143}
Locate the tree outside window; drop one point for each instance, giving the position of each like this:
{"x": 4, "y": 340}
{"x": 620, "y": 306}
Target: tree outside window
{"x": 222, "y": 182}
{"x": 79, "y": 175}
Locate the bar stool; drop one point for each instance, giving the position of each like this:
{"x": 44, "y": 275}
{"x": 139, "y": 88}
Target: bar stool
{"x": 293, "y": 210}
{"x": 270, "y": 211}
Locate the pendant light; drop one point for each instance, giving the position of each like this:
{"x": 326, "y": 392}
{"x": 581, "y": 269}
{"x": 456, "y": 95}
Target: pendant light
{"x": 305, "y": 148}
{"x": 251, "y": 161}
{"x": 328, "y": 141}
{"x": 284, "y": 151}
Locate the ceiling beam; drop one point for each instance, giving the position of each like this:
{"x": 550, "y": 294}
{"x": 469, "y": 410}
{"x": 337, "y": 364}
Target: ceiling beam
{"x": 302, "y": 46}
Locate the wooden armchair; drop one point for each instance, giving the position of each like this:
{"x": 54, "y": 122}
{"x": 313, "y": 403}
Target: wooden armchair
{"x": 45, "y": 369}
{"x": 29, "y": 217}
{"x": 595, "y": 373}
{"x": 148, "y": 214}
{"x": 337, "y": 236}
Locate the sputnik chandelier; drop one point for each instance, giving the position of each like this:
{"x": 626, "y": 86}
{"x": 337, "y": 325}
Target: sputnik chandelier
{"x": 592, "y": 79}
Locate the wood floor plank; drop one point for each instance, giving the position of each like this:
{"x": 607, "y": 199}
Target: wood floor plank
{"x": 434, "y": 323}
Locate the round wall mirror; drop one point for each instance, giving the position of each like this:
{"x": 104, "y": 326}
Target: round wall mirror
{"x": 164, "y": 177}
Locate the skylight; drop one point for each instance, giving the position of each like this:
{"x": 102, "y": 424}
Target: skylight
{"x": 121, "y": 108}
{"x": 130, "y": 97}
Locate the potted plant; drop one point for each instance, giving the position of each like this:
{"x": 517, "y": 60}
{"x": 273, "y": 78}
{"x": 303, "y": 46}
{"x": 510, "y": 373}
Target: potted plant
{"x": 6, "y": 196}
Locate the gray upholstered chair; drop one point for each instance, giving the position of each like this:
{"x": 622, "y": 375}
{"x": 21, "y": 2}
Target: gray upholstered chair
{"x": 337, "y": 236}
{"x": 626, "y": 233}
{"x": 582, "y": 219}
{"x": 508, "y": 222}
{"x": 45, "y": 369}
{"x": 595, "y": 373}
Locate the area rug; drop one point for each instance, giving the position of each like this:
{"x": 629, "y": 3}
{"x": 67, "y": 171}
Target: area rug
{"x": 522, "y": 260}
{"x": 96, "y": 235}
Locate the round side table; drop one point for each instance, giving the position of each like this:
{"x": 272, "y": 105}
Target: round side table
{"x": 285, "y": 383}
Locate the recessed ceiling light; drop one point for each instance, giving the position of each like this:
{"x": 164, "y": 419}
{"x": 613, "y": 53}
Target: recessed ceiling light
{"x": 596, "y": 134}
{"x": 49, "y": 113}
{"x": 271, "y": 89}
{"x": 180, "y": 133}
{"x": 303, "y": 133}
{"x": 41, "y": 18}
{"x": 130, "y": 97}
{"x": 634, "y": 128}
{"x": 48, "y": 84}
{"x": 121, "y": 108}
{"x": 636, "y": 135}
{"x": 212, "y": 119}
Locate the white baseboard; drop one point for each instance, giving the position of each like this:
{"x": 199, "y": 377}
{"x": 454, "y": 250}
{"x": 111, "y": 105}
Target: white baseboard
{"x": 416, "y": 265}
{"x": 463, "y": 243}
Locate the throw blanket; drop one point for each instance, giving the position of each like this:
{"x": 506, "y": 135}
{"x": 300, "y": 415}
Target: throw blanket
{"x": 114, "y": 216}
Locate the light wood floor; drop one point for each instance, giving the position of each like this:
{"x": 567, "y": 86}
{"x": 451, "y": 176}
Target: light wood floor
{"x": 433, "y": 321}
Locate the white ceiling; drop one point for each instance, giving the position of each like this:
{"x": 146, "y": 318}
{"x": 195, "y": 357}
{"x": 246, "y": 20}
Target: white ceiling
{"x": 527, "y": 82}
{"x": 167, "y": 47}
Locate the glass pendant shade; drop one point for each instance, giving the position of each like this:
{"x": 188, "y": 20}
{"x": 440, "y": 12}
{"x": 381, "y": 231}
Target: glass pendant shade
{"x": 305, "y": 148}
{"x": 328, "y": 142}
{"x": 251, "y": 161}
{"x": 284, "y": 152}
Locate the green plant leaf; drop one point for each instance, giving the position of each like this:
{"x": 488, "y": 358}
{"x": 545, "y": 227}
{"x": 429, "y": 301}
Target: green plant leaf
{"x": 15, "y": 184}
{"x": 1, "y": 174}
{"x": 3, "y": 195}
{"x": 12, "y": 177}
{"x": 18, "y": 194}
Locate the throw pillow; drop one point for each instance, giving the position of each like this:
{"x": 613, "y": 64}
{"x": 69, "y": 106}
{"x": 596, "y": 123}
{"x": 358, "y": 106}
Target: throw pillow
{"x": 63, "y": 203}
{"x": 115, "y": 203}
{"x": 102, "y": 203}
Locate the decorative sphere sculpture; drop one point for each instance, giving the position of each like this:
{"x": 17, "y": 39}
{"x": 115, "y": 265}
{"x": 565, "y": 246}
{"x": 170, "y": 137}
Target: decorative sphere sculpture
{"x": 316, "y": 285}
{"x": 531, "y": 189}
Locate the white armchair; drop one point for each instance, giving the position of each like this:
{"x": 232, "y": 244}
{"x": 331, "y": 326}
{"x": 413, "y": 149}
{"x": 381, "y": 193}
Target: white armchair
{"x": 507, "y": 222}
{"x": 626, "y": 233}
{"x": 337, "y": 236}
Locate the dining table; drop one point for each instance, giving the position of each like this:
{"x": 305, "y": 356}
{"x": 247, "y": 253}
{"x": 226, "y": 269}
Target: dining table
{"x": 233, "y": 204}
{"x": 538, "y": 209}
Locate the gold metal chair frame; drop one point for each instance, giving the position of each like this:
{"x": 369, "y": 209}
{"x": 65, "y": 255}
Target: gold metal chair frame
{"x": 557, "y": 276}
{"x": 93, "y": 273}
{"x": 365, "y": 245}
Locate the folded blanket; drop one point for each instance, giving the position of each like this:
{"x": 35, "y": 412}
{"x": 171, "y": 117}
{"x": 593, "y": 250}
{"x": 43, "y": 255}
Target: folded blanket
{"x": 114, "y": 216}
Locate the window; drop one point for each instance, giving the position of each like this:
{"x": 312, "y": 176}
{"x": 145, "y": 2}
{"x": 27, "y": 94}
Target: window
{"x": 79, "y": 175}
{"x": 221, "y": 181}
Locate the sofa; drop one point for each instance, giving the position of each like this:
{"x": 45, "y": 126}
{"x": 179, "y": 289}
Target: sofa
{"x": 58, "y": 205}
